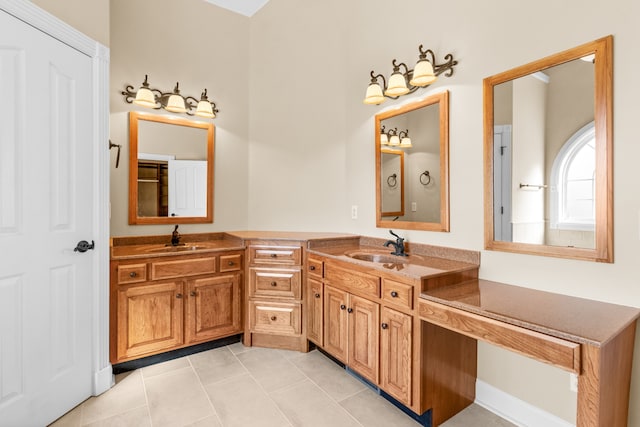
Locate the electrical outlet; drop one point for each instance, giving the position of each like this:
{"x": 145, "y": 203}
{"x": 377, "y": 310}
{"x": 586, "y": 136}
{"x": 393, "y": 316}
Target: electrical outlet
{"x": 573, "y": 382}
{"x": 354, "y": 212}
{"x": 414, "y": 206}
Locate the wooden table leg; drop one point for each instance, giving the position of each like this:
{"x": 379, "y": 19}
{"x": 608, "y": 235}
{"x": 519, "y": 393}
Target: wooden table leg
{"x": 605, "y": 380}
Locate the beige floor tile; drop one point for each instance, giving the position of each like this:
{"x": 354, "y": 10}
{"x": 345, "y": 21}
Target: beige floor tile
{"x": 127, "y": 394}
{"x": 136, "y": 417}
{"x": 177, "y": 398}
{"x": 476, "y": 416}
{"x": 270, "y": 368}
{"x": 372, "y": 410}
{"x": 305, "y": 404}
{"x": 238, "y": 348}
{"x": 73, "y": 418}
{"x": 211, "y": 421}
{"x": 240, "y": 402}
{"x": 327, "y": 375}
{"x": 164, "y": 367}
{"x": 216, "y": 365}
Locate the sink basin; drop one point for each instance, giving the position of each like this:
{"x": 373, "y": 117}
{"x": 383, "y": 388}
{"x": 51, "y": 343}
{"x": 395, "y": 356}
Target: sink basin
{"x": 177, "y": 248}
{"x": 379, "y": 258}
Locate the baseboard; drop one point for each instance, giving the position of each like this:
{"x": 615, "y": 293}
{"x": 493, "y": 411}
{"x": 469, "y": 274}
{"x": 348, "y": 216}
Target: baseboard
{"x": 103, "y": 380}
{"x": 513, "y": 409}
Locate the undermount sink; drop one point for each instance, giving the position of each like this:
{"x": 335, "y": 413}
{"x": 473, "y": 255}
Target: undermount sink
{"x": 183, "y": 248}
{"x": 379, "y": 258}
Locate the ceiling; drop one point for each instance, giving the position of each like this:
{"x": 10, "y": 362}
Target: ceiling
{"x": 243, "y": 7}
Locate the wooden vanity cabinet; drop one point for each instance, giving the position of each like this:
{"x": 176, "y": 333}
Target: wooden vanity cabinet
{"x": 160, "y": 304}
{"x": 274, "y": 295}
{"x": 314, "y": 300}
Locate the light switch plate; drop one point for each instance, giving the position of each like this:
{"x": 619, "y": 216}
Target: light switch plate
{"x": 354, "y": 212}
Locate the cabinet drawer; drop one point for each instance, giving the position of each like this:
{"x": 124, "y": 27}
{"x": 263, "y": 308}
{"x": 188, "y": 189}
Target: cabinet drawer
{"x": 352, "y": 281}
{"x": 315, "y": 267}
{"x": 275, "y": 318}
{"x": 275, "y": 282}
{"x": 132, "y": 273}
{"x": 291, "y": 255}
{"x": 397, "y": 293}
{"x": 182, "y": 267}
{"x": 230, "y": 262}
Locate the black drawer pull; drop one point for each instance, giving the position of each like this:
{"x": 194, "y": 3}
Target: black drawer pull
{"x": 274, "y": 318}
{"x": 193, "y": 293}
{"x": 394, "y": 294}
{"x": 133, "y": 274}
{"x": 178, "y": 296}
{"x": 312, "y": 267}
{"x": 274, "y": 255}
{"x": 317, "y": 295}
{"x": 349, "y": 310}
{"x": 274, "y": 283}
{"x": 342, "y": 307}
{"x": 384, "y": 326}
{"x": 231, "y": 263}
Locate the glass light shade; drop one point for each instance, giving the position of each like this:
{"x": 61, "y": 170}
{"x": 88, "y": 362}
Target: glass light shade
{"x": 204, "y": 109}
{"x": 175, "y": 104}
{"x": 394, "y": 140}
{"x": 397, "y": 85}
{"x": 374, "y": 94}
{"x": 406, "y": 142}
{"x": 145, "y": 97}
{"x": 423, "y": 74}
{"x": 384, "y": 139}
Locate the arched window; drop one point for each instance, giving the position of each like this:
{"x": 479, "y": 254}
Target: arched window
{"x": 573, "y": 182}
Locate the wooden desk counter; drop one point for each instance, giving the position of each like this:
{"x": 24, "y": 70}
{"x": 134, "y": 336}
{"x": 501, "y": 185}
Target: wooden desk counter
{"x": 591, "y": 338}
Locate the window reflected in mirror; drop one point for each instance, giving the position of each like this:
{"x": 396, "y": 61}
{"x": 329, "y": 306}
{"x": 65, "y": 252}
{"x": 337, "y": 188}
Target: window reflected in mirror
{"x": 548, "y": 155}
{"x": 412, "y": 143}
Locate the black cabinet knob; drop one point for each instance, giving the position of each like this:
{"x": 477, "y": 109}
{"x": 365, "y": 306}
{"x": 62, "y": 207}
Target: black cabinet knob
{"x": 349, "y": 310}
{"x": 133, "y": 274}
{"x": 384, "y": 326}
{"x": 394, "y": 294}
{"x": 317, "y": 295}
{"x": 342, "y": 307}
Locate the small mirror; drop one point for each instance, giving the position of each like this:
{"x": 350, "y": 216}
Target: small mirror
{"x": 548, "y": 156}
{"x": 412, "y": 142}
{"x": 170, "y": 170}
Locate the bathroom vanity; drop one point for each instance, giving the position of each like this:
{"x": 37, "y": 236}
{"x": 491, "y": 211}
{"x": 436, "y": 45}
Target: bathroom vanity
{"x": 407, "y": 325}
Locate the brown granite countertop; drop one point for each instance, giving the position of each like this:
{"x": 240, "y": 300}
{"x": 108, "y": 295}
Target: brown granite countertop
{"x": 286, "y": 235}
{"x": 157, "y": 246}
{"x": 571, "y": 318}
{"x": 423, "y": 261}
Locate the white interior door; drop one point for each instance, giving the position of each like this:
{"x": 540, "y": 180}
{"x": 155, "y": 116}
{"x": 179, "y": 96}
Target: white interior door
{"x": 46, "y": 193}
{"x": 187, "y": 188}
{"x": 502, "y": 226}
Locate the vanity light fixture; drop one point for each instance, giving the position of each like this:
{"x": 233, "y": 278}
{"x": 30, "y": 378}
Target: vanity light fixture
{"x": 405, "y": 141}
{"x": 384, "y": 138}
{"x": 403, "y": 80}
{"x": 394, "y": 139}
{"x": 171, "y": 101}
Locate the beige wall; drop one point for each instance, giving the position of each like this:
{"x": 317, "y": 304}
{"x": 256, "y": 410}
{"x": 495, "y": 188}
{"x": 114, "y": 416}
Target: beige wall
{"x": 88, "y": 16}
{"x": 312, "y": 156}
{"x": 201, "y": 46}
{"x": 300, "y": 153}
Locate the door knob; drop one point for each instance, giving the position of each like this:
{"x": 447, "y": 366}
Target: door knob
{"x": 84, "y": 246}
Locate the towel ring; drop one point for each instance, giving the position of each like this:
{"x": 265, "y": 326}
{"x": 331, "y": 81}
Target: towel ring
{"x": 427, "y": 179}
{"x": 392, "y": 180}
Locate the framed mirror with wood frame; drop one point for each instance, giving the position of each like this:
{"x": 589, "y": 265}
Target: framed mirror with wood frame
{"x": 548, "y": 155}
{"x": 424, "y": 196}
{"x": 171, "y": 170}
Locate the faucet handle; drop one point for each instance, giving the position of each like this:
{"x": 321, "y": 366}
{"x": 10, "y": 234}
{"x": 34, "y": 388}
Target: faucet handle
{"x": 395, "y": 235}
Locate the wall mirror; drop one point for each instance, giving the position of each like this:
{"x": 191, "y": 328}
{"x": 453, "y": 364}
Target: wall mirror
{"x": 415, "y": 140}
{"x": 548, "y": 156}
{"x": 170, "y": 170}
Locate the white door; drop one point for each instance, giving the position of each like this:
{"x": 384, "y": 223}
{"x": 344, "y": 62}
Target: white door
{"x": 187, "y": 188}
{"x": 502, "y": 227}
{"x": 46, "y": 191}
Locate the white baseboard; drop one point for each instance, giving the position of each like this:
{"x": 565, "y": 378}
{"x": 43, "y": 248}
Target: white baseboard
{"x": 513, "y": 409}
{"x": 103, "y": 380}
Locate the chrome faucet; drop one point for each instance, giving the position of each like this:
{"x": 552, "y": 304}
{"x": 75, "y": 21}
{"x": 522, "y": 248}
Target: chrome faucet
{"x": 175, "y": 237}
{"x": 398, "y": 245}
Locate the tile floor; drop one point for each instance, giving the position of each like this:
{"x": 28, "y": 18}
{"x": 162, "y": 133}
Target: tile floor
{"x": 237, "y": 386}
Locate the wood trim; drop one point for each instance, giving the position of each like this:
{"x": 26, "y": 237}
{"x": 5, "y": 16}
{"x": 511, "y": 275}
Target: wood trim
{"x": 554, "y": 351}
{"x": 603, "y": 113}
{"x": 134, "y": 117}
{"x": 443, "y": 99}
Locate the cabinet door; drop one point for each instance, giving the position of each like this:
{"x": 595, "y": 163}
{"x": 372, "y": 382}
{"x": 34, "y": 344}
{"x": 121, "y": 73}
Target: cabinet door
{"x": 314, "y": 293}
{"x": 335, "y": 326}
{"x": 149, "y": 319}
{"x": 213, "y": 308}
{"x": 396, "y": 354}
{"x": 363, "y": 322}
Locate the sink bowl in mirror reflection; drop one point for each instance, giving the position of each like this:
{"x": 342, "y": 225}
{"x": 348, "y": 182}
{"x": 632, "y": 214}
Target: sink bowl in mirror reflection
{"x": 378, "y": 258}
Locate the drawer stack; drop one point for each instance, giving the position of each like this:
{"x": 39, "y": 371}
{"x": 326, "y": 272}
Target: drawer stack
{"x": 274, "y": 295}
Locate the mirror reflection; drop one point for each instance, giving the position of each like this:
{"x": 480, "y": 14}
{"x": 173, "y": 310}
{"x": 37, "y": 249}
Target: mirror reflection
{"x": 415, "y": 139}
{"x": 548, "y": 155}
{"x": 171, "y": 170}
